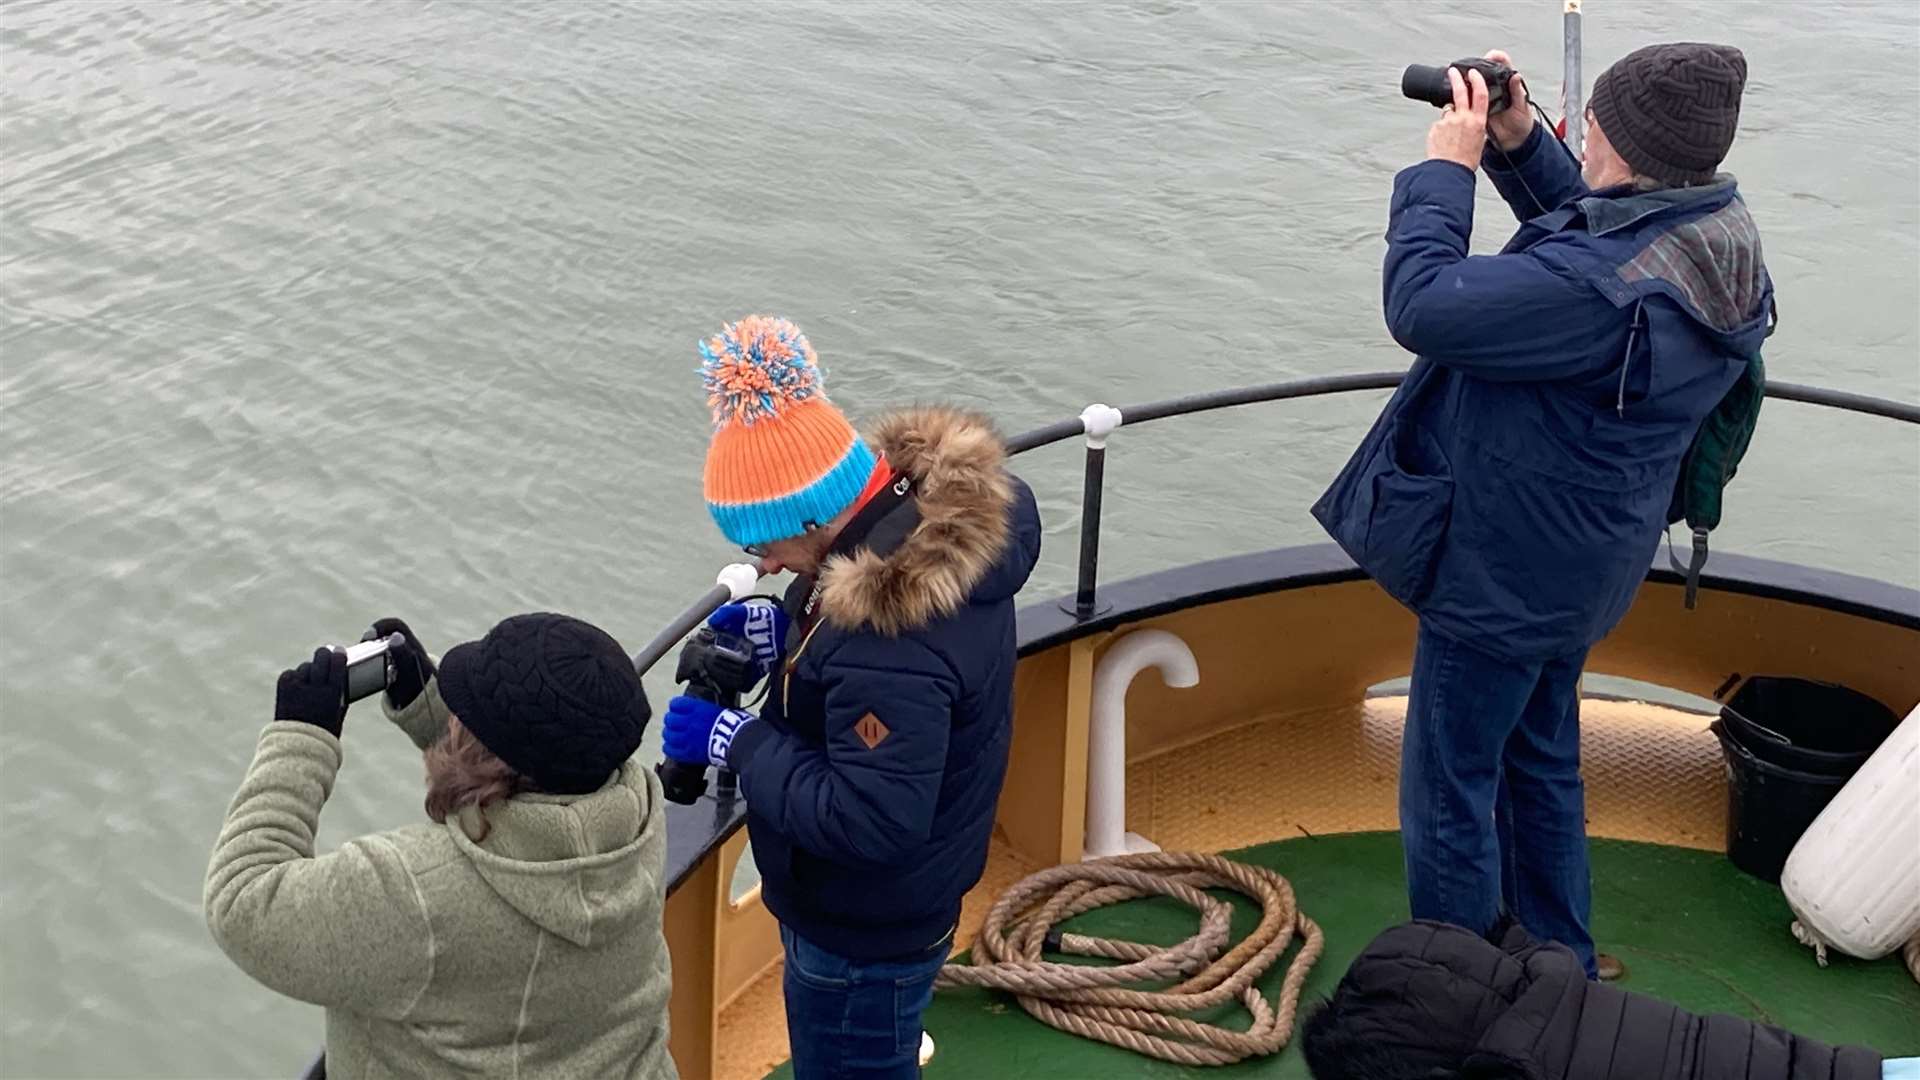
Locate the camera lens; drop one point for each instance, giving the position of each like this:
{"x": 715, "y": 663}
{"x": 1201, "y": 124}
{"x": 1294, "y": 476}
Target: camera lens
{"x": 1423, "y": 82}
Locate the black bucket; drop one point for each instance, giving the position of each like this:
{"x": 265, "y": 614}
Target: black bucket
{"x": 1768, "y": 806}
{"x": 1807, "y": 726}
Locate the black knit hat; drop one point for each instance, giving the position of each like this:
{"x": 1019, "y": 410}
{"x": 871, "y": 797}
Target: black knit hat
{"x": 554, "y": 697}
{"x": 1671, "y": 110}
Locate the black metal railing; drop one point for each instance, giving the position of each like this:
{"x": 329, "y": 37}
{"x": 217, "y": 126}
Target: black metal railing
{"x": 1085, "y": 602}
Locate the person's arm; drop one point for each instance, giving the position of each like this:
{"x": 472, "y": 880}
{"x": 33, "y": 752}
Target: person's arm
{"x": 413, "y": 701}
{"x": 349, "y": 928}
{"x": 869, "y": 795}
{"x": 424, "y": 719}
{"x": 1517, "y": 317}
{"x": 1535, "y": 177}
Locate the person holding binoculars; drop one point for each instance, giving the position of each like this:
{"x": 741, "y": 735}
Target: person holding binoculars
{"x": 872, "y": 772}
{"x": 1514, "y": 490}
{"x": 518, "y": 933}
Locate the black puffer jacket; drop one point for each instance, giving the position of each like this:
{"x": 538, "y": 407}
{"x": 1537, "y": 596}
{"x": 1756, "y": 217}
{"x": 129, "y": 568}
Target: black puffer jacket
{"x": 1434, "y": 1002}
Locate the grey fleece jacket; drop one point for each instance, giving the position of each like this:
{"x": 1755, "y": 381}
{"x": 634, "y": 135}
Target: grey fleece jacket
{"x": 534, "y": 952}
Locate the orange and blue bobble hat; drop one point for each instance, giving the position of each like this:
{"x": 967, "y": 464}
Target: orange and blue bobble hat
{"x": 782, "y": 456}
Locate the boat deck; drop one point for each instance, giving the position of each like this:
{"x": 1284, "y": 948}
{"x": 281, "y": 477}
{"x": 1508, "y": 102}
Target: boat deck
{"x": 1312, "y": 795}
{"x": 1690, "y": 928}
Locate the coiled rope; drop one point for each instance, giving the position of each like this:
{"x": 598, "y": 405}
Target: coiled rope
{"x": 1103, "y": 1003}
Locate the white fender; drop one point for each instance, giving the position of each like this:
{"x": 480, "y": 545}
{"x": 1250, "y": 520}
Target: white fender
{"x": 1853, "y": 879}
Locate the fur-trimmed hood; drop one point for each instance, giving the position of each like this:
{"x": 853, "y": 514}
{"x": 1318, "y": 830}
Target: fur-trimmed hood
{"x": 965, "y": 543}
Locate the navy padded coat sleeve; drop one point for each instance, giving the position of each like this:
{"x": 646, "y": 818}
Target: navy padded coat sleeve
{"x": 1535, "y": 178}
{"x": 1516, "y": 317}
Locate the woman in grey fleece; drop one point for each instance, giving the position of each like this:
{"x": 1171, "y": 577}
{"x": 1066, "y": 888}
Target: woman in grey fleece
{"x": 519, "y": 933}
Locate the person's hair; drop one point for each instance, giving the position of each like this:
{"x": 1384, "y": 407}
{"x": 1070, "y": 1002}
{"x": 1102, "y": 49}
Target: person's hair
{"x": 462, "y": 772}
{"x": 1645, "y": 183}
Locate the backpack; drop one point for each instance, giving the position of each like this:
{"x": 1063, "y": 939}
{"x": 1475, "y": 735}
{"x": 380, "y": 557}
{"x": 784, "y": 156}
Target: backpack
{"x": 1711, "y": 461}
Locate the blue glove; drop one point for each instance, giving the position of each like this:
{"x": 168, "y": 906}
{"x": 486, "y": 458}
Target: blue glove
{"x": 698, "y": 732}
{"x": 763, "y": 623}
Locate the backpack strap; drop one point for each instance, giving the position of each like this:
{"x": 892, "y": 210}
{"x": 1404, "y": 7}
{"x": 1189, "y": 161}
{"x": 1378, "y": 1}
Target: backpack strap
{"x": 1691, "y": 570}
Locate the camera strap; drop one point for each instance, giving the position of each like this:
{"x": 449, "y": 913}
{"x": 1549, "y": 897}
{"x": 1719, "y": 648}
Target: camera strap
{"x": 886, "y": 517}
{"x": 883, "y": 522}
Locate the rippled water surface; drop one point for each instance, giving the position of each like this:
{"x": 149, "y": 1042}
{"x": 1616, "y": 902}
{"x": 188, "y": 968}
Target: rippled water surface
{"x": 315, "y": 312}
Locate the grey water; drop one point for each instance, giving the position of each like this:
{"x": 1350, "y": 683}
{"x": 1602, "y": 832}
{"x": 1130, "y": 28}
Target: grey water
{"x": 316, "y": 312}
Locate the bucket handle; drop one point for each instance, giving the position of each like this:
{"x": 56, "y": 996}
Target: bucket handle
{"x": 1720, "y": 696}
{"x": 1759, "y": 727}
{"x": 1732, "y": 681}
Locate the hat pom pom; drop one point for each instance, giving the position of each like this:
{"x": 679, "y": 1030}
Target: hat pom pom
{"x": 756, "y": 367}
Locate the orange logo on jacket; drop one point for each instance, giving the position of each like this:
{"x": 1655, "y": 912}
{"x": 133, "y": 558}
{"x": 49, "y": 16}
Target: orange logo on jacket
{"x": 871, "y": 730}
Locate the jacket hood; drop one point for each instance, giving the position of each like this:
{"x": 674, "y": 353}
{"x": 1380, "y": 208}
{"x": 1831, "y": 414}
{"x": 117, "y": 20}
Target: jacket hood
{"x": 1702, "y": 250}
{"x": 977, "y": 539}
{"x": 570, "y": 863}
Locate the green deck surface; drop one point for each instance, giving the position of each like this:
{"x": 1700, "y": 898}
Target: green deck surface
{"x": 1690, "y": 927}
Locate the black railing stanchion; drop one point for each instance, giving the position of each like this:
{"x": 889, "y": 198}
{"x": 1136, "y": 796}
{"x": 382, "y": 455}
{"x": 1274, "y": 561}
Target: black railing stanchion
{"x": 1098, "y": 422}
{"x": 1084, "y": 592}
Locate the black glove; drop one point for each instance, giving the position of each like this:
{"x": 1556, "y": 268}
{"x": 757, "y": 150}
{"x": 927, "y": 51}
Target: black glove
{"x": 411, "y": 668}
{"x": 315, "y": 692}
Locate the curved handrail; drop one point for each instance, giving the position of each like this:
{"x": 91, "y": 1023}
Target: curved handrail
{"x": 1061, "y": 430}
{"x": 1846, "y": 401}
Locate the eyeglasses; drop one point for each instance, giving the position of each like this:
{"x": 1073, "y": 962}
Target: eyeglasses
{"x": 762, "y": 551}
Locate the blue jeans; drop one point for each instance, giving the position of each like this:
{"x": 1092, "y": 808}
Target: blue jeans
{"x": 856, "y": 1019}
{"x": 1492, "y": 808}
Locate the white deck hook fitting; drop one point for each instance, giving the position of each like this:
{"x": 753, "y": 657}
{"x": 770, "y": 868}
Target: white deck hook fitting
{"x": 1107, "y": 736}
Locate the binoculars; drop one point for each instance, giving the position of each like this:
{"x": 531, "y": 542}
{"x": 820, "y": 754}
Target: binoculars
{"x": 1430, "y": 84}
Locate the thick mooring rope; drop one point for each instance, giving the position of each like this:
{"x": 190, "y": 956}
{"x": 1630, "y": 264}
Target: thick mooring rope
{"x": 1102, "y": 1002}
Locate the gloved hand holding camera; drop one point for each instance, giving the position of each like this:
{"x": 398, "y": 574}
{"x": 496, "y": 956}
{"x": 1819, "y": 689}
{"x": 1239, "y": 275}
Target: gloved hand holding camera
{"x": 762, "y": 623}
{"x": 740, "y": 645}
{"x": 388, "y": 658}
{"x": 315, "y": 692}
{"x": 699, "y": 732}
{"x": 411, "y": 667}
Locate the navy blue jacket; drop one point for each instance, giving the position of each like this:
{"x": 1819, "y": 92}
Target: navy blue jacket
{"x": 1515, "y": 488}
{"x": 872, "y": 775}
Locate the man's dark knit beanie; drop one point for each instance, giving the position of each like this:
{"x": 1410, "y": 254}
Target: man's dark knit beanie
{"x": 1671, "y": 110}
{"x": 554, "y": 697}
